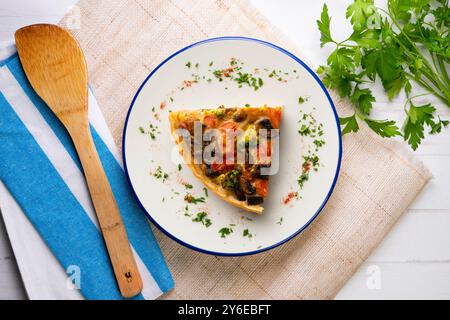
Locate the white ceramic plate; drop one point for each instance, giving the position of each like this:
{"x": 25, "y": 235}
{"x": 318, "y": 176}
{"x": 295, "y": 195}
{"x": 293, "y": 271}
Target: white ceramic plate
{"x": 179, "y": 83}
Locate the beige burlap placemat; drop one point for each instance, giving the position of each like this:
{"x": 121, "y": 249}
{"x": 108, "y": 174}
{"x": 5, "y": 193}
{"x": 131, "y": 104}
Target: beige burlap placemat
{"x": 124, "y": 40}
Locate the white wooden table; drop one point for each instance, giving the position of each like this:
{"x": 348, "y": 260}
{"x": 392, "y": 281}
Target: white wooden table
{"x": 414, "y": 259}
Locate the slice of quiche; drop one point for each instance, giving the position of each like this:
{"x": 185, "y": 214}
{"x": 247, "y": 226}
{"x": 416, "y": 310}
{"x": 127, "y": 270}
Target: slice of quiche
{"x": 229, "y": 150}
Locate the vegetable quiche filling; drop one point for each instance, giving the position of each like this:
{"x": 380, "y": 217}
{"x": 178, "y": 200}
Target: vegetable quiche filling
{"x": 229, "y": 150}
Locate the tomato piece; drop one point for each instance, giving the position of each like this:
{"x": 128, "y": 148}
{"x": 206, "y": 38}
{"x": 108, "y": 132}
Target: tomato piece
{"x": 210, "y": 121}
{"x": 264, "y": 152}
{"x": 221, "y": 167}
{"x": 261, "y": 186}
{"x": 265, "y": 148}
{"x": 275, "y": 117}
{"x": 216, "y": 166}
{"x": 228, "y": 125}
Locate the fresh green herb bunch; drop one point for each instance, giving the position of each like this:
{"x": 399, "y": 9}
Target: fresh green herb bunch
{"x": 409, "y": 42}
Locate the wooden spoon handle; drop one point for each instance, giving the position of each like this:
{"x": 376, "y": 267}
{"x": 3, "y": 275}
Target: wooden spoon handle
{"x": 110, "y": 221}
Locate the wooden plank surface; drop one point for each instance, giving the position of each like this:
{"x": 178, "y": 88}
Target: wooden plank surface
{"x": 414, "y": 259}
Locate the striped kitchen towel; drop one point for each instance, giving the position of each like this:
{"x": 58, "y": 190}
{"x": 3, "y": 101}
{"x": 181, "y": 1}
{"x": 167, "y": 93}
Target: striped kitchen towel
{"x": 40, "y": 169}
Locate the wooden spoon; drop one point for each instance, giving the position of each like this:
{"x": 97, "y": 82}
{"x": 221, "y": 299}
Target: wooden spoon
{"x": 56, "y": 68}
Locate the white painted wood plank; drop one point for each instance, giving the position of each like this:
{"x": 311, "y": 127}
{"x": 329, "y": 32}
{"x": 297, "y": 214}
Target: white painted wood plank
{"x": 399, "y": 281}
{"x": 11, "y": 286}
{"x": 436, "y": 194}
{"x": 419, "y": 236}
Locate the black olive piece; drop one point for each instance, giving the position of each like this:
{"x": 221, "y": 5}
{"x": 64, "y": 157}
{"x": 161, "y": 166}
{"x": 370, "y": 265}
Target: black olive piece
{"x": 256, "y": 172}
{"x": 254, "y": 200}
{"x": 246, "y": 186}
{"x": 240, "y": 195}
{"x": 239, "y": 116}
{"x": 265, "y": 123}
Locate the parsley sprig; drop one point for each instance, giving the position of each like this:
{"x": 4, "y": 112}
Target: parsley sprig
{"x": 407, "y": 43}
{"x": 202, "y": 217}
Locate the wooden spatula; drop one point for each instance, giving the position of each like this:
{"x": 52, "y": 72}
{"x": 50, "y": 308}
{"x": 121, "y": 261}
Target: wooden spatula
{"x": 56, "y": 68}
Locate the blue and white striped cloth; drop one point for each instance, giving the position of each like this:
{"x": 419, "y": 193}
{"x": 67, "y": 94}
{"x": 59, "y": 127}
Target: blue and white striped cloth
{"x": 40, "y": 169}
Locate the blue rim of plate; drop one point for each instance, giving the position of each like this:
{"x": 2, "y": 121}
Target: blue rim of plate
{"x": 304, "y": 65}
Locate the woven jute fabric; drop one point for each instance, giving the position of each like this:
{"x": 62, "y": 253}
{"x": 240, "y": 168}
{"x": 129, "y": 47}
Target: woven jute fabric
{"x": 124, "y": 40}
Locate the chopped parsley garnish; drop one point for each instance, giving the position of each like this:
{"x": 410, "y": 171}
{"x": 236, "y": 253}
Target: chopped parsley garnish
{"x": 280, "y": 221}
{"x": 247, "y": 233}
{"x": 160, "y": 174}
{"x": 260, "y": 82}
{"x": 309, "y": 162}
{"x": 206, "y": 192}
{"x": 186, "y": 211}
{"x": 302, "y": 100}
{"x": 302, "y": 179}
{"x": 276, "y": 75}
{"x": 179, "y": 167}
{"x": 152, "y": 131}
{"x": 312, "y": 160}
{"x": 304, "y": 130}
{"x": 247, "y": 105}
{"x": 225, "y": 231}
{"x": 201, "y": 217}
{"x": 218, "y": 74}
{"x": 188, "y": 64}
{"x": 318, "y": 143}
{"x": 311, "y": 129}
{"x": 309, "y": 126}
{"x": 249, "y": 79}
{"x": 234, "y": 72}
{"x": 188, "y": 186}
{"x": 191, "y": 199}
